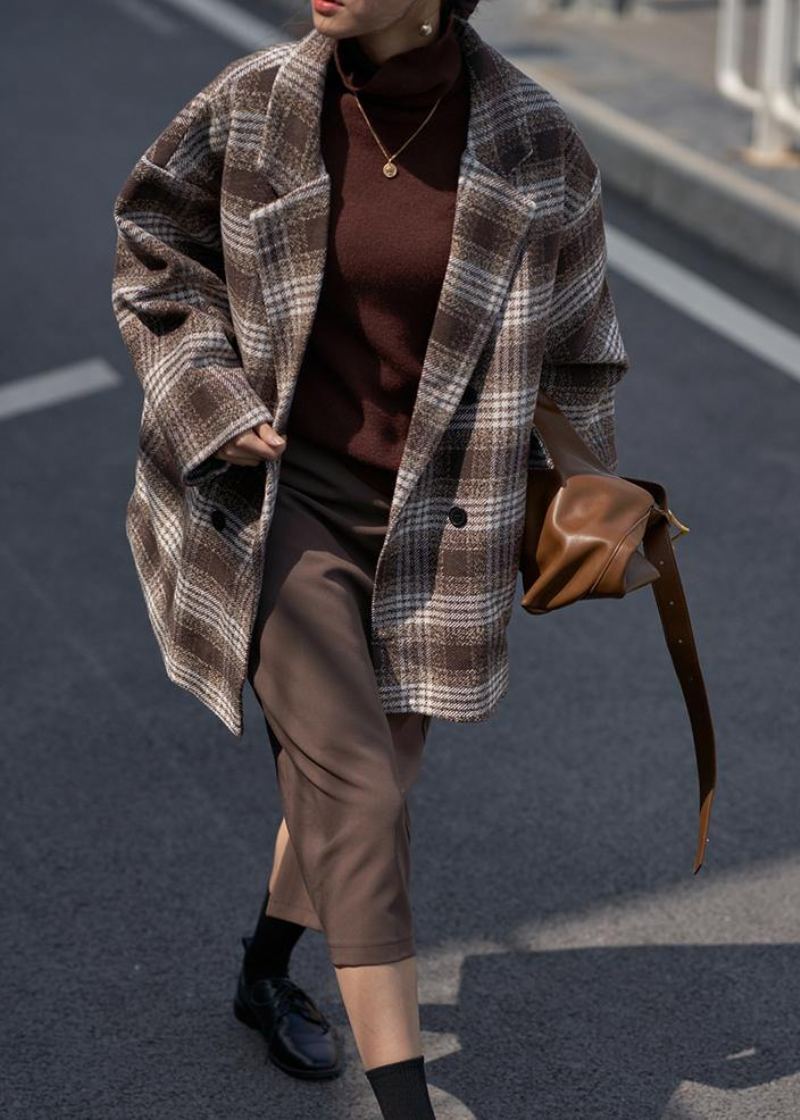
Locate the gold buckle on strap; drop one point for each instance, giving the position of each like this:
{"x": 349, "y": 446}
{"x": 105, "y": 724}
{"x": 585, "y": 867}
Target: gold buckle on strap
{"x": 678, "y": 524}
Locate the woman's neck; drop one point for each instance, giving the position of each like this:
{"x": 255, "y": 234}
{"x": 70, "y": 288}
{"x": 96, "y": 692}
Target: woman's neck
{"x": 413, "y": 77}
{"x": 404, "y": 35}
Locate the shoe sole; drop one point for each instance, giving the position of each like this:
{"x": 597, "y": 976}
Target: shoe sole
{"x": 243, "y": 1015}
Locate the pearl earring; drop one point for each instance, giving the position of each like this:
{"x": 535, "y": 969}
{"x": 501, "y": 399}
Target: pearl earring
{"x": 426, "y": 28}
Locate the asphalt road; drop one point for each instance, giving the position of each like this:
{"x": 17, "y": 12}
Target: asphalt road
{"x": 570, "y": 964}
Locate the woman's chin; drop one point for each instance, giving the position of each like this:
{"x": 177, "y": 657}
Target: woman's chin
{"x": 327, "y": 13}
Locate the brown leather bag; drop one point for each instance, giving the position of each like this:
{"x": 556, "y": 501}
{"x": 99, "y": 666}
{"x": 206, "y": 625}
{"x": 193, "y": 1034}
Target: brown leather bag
{"x": 592, "y": 534}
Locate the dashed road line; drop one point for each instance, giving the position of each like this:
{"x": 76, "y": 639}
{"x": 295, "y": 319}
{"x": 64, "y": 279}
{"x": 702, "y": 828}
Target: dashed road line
{"x": 41, "y": 390}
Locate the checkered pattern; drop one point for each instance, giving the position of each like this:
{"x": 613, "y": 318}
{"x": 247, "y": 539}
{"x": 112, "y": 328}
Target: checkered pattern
{"x": 222, "y": 236}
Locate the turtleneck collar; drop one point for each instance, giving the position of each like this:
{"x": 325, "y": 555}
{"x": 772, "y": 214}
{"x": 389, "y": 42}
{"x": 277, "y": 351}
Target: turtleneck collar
{"x": 416, "y": 76}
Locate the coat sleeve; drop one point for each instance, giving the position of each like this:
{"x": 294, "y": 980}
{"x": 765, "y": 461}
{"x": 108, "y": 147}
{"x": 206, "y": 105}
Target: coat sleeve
{"x": 169, "y": 294}
{"x": 584, "y": 354}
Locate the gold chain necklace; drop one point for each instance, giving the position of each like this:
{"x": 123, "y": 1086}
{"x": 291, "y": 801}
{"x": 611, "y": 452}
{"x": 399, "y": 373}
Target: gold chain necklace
{"x": 390, "y": 167}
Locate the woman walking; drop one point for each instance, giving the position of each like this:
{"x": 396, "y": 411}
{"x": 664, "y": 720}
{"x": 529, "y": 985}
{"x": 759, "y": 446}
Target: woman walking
{"x": 343, "y": 272}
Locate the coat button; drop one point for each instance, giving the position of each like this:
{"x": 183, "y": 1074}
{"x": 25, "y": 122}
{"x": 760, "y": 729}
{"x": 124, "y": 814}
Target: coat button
{"x": 458, "y": 516}
{"x": 218, "y": 519}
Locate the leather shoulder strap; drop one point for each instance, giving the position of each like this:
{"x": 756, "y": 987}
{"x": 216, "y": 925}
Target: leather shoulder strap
{"x": 676, "y": 623}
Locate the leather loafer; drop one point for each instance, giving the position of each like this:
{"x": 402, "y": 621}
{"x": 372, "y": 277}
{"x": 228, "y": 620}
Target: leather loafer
{"x": 300, "y": 1039}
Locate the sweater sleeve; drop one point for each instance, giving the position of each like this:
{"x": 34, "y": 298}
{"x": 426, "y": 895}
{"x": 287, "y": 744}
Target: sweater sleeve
{"x": 584, "y": 355}
{"x": 169, "y": 294}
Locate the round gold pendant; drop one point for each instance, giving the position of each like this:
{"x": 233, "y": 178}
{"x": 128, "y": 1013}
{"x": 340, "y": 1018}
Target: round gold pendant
{"x": 390, "y": 170}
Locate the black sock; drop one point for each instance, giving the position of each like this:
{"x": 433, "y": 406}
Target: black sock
{"x": 401, "y": 1089}
{"x": 267, "y": 952}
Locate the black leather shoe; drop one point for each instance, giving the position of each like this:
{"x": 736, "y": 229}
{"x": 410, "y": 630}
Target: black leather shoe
{"x": 300, "y": 1040}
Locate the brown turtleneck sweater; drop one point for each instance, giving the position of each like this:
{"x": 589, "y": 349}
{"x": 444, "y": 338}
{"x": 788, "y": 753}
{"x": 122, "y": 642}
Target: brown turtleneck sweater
{"x": 388, "y": 245}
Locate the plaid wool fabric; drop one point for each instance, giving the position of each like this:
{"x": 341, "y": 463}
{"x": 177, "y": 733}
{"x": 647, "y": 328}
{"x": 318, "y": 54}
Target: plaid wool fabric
{"x": 222, "y": 229}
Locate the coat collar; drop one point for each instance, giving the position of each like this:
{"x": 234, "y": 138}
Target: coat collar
{"x": 290, "y": 149}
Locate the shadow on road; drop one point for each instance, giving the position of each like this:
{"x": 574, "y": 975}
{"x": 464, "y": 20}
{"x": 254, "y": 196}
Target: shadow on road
{"x": 613, "y": 1032}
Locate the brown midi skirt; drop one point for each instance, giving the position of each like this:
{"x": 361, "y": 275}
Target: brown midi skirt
{"x": 343, "y": 765}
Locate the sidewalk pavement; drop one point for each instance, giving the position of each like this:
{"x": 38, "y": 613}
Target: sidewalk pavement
{"x": 640, "y": 89}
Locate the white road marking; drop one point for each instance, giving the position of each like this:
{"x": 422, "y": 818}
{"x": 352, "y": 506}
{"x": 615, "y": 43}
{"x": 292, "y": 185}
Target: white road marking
{"x": 234, "y": 23}
{"x": 704, "y": 302}
{"x": 44, "y": 389}
{"x": 148, "y": 15}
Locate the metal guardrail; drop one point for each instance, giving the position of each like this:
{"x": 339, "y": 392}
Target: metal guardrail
{"x": 774, "y": 100}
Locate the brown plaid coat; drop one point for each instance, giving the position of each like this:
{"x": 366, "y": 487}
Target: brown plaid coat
{"x": 222, "y": 231}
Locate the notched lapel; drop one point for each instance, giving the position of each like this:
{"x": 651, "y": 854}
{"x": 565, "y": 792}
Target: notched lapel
{"x": 291, "y": 237}
{"x": 291, "y": 230}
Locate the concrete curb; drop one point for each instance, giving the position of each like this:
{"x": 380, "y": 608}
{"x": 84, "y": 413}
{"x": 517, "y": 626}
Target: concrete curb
{"x": 750, "y": 221}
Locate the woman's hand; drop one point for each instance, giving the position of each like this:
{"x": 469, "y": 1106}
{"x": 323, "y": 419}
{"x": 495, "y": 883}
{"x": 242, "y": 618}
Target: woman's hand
{"x": 252, "y": 446}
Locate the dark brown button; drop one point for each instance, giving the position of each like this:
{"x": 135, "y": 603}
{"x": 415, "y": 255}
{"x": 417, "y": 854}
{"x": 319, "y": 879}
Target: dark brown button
{"x": 458, "y": 516}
